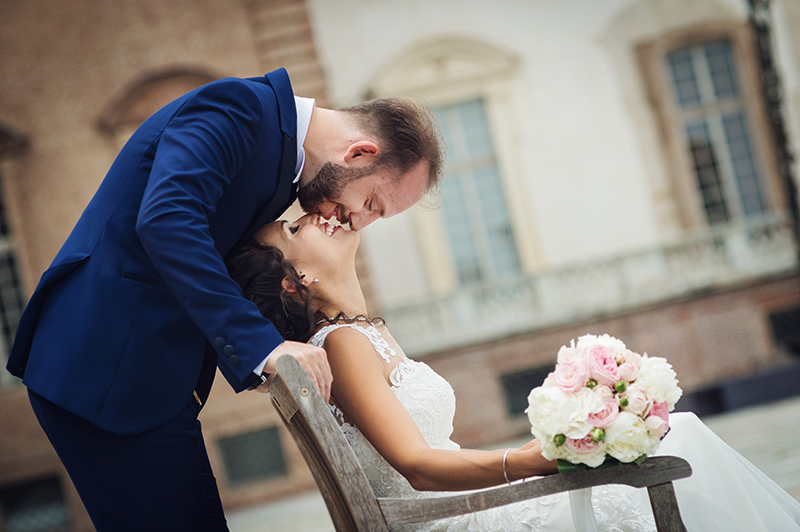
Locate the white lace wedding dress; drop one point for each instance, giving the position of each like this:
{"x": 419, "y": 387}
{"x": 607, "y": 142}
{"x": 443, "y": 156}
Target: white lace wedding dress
{"x": 724, "y": 493}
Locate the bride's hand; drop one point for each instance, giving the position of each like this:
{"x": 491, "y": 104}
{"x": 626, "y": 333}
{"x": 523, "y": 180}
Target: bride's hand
{"x": 314, "y": 360}
{"x": 533, "y": 444}
{"x": 532, "y": 456}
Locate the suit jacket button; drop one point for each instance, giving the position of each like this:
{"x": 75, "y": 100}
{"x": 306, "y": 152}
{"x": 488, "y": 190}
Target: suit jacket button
{"x": 219, "y": 342}
{"x": 234, "y": 360}
{"x": 228, "y": 350}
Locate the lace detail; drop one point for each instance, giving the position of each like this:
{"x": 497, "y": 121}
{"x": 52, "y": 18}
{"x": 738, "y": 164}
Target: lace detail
{"x": 720, "y": 495}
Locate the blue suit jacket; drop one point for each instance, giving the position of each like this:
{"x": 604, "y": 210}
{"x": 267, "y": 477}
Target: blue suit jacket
{"x": 117, "y": 328}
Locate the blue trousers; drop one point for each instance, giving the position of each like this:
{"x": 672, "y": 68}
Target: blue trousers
{"x": 157, "y": 481}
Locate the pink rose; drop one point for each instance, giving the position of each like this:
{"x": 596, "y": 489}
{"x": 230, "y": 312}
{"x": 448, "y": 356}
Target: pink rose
{"x": 583, "y": 446}
{"x": 603, "y": 391}
{"x": 656, "y": 426}
{"x": 628, "y": 372}
{"x": 602, "y": 365}
{"x": 638, "y": 403}
{"x": 571, "y": 375}
{"x": 606, "y": 416}
{"x": 633, "y": 358}
{"x": 661, "y": 410}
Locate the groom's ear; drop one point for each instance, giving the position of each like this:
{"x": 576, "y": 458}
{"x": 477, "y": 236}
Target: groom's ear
{"x": 361, "y": 153}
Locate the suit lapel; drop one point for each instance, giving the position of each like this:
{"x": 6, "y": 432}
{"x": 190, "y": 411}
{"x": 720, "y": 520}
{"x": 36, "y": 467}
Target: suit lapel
{"x": 285, "y": 191}
{"x": 284, "y": 195}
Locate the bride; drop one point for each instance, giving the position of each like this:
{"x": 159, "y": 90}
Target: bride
{"x": 397, "y": 413}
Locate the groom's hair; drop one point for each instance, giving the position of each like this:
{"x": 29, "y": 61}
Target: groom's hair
{"x": 259, "y": 270}
{"x": 406, "y": 133}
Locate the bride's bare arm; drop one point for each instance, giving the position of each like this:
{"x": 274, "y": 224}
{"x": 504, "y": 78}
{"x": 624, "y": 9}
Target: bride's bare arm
{"x": 361, "y": 391}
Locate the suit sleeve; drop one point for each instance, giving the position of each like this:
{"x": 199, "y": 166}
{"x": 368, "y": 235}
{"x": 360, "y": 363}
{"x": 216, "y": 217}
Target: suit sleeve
{"x": 208, "y": 142}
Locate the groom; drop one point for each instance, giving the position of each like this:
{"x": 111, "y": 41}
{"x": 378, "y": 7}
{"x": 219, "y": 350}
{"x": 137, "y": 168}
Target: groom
{"x": 119, "y": 343}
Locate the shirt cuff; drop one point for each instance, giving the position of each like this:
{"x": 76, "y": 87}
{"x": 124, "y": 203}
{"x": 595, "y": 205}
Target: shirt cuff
{"x": 258, "y": 370}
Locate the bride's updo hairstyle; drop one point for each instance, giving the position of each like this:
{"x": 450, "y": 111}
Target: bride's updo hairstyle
{"x": 259, "y": 270}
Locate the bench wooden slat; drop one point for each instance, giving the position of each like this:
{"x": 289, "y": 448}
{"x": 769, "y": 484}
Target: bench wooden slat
{"x": 654, "y": 470}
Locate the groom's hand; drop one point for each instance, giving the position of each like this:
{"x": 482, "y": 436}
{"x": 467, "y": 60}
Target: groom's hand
{"x": 314, "y": 360}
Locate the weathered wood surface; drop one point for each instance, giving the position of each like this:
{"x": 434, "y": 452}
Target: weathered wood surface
{"x": 653, "y": 471}
{"x": 354, "y": 507}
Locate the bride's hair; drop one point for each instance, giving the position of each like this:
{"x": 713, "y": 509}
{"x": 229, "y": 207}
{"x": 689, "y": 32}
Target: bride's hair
{"x": 259, "y": 270}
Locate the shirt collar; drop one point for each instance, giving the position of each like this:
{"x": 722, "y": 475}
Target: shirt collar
{"x": 304, "y": 108}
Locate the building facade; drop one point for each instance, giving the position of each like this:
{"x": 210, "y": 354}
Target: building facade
{"x": 613, "y": 167}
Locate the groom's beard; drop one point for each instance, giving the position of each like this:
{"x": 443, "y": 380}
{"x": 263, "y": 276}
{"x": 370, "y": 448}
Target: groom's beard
{"x": 328, "y": 184}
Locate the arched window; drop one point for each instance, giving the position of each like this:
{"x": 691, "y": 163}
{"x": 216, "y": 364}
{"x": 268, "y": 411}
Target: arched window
{"x": 142, "y": 98}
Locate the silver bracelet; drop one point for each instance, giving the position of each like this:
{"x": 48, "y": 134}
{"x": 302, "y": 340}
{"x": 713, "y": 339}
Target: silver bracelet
{"x": 505, "y": 457}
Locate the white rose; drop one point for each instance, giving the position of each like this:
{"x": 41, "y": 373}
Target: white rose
{"x": 658, "y": 380}
{"x": 628, "y": 438}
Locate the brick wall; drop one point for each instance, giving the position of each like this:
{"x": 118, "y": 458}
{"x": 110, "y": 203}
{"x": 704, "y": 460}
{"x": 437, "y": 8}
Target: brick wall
{"x": 66, "y": 68}
{"x": 709, "y": 338}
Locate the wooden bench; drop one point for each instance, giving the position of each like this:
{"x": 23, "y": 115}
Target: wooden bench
{"x": 354, "y": 507}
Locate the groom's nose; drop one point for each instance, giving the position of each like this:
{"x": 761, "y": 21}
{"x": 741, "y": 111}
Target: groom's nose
{"x": 360, "y": 220}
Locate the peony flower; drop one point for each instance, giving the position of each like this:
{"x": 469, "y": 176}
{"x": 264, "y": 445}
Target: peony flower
{"x": 658, "y": 380}
{"x": 602, "y": 400}
{"x": 604, "y": 340}
{"x": 628, "y": 438}
{"x": 571, "y": 374}
{"x": 551, "y": 411}
{"x": 602, "y": 364}
{"x": 566, "y": 353}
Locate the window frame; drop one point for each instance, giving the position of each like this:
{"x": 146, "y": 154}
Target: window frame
{"x": 450, "y": 70}
{"x": 654, "y": 68}
{"x": 465, "y": 175}
{"x": 12, "y": 148}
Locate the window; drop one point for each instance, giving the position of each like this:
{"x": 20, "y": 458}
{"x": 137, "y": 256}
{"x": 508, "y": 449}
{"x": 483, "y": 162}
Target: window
{"x": 712, "y": 111}
{"x": 34, "y": 507}
{"x": 12, "y": 298}
{"x": 476, "y": 217}
{"x": 785, "y": 327}
{"x": 517, "y": 387}
{"x": 253, "y": 456}
{"x": 705, "y": 85}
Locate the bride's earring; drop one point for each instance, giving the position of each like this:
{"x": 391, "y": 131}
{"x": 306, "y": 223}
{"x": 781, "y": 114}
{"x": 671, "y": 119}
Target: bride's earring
{"x": 302, "y": 276}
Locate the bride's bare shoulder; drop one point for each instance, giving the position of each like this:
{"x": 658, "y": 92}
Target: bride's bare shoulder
{"x": 347, "y": 340}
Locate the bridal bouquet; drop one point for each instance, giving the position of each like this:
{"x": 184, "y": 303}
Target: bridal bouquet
{"x": 603, "y": 400}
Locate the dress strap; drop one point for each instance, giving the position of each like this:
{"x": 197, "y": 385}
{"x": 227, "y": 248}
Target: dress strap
{"x": 380, "y": 345}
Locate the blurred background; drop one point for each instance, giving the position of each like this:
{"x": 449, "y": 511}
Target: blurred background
{"x": 620, "y": 167}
